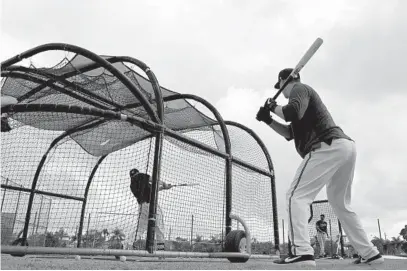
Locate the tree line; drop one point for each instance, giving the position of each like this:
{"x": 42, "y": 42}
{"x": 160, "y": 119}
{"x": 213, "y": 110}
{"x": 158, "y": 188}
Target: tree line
{"x": 115, "y": 240}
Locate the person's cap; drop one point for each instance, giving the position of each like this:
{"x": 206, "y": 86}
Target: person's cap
{"x": 283, "y": 75}
{"x": 133, "y": 172}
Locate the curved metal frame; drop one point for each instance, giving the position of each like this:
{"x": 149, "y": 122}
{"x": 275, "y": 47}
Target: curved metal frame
{"x": 226, "y": 138}
{"x": 273, "y": 179}
{"x": 159, "y": 138}
{"x": 90, "y": 179}
{"x": 38, "y": 171}
{"x": 13, "y": 69}
{"x": 51, "y": 84}
{"x": 10, "y": 71}
{"x": 92, "y": 56}
{"x": 127, "y": 82}
{"x": 113, "y": 115}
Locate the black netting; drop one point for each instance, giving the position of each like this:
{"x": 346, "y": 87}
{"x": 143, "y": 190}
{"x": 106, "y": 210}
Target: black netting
{"x": 189, "y": 218}
{"x": 16, "y": 87}
{"x": 53, "y": 121}
{"x": 103, "y": 89}
{"x": 109, "y": 137}
{"x": 104, "y": 138}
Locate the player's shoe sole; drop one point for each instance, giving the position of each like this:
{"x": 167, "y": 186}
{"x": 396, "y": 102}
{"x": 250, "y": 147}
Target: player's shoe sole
{"x": 301, "y": 261}
{"x": 378, "y": 259}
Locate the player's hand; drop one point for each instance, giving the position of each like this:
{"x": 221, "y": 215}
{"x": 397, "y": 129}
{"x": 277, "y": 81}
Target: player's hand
{"x": 264, "y": 115}
{"x": 270, "y": 104}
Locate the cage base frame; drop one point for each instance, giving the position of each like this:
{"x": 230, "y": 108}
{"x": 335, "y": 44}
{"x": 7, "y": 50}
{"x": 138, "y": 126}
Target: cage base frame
{"x": 26, "y": 250}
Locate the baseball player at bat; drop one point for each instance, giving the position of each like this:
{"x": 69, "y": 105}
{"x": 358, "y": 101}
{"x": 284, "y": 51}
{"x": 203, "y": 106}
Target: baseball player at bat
{"x": 329, "y": 157}
{"x": 141, "y": 188}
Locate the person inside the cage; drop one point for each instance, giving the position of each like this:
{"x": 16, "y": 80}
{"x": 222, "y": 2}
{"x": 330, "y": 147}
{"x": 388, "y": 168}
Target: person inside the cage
{"x": 140, "y": 186}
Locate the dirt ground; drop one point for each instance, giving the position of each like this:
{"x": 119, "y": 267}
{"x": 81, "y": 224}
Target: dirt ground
{"x": 56, "y": 262}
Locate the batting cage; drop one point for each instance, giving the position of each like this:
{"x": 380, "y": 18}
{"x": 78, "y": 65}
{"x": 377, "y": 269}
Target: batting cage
{"x": 79, "y": 128}
{"x": 331, "y": 242}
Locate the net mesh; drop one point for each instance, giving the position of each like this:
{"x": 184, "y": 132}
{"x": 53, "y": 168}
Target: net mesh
{"x": 189, "y": 218}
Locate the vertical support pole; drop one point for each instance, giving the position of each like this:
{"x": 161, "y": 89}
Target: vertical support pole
{"x": 380, "y": 231}
{"x": 275, "y": 213}
{"x": 94, "y": 234}
{"x": 49, "y": 212}
{"x": 330, "y": 234}
{"x": 39, "y": 214}
{"x": 85, "y": 199}
{"x": 87, "y": 230}
{"x": 16, "y": 211}
{"x": 341, "y": 239}
{"x": 4, "y": 195}
{"x": 35, "y": 220}
{"x": 76, "y": 234}
{"x": 228, "y": 194}
{"x": 282, "y": 221}
{"x": 159, "y": 138}
{"x": 46, "y": 227}
{"x": 192, "y": 228}
{"x": 32, "y": 194}
{"x": 150, "y": 244}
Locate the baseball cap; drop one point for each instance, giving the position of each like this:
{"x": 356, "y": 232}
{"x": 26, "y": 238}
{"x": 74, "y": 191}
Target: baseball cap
{"x": 133, "y": 172}
{"x": 283, "y": 74}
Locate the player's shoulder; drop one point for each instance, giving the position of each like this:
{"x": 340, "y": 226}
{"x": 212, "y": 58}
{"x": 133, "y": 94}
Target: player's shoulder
{"x": 301, "y": 89}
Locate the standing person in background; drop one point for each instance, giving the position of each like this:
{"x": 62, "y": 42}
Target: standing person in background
{"x": 322, "y": 234}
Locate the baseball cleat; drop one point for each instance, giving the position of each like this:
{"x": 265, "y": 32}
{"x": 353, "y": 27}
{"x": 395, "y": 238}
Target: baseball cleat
{"x": 378, "y": 259}
{"x": 303, "y": 261}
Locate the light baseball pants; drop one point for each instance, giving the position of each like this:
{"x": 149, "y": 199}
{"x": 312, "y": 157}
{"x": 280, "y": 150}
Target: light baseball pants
{"x": 321, "y": 240}
{"x": 144, "y": 210}
{"x": 331, "y": 165}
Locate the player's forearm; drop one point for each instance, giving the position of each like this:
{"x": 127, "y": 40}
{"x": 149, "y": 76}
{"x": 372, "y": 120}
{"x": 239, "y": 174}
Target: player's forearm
{"x": 281, "y": 129}
{"x": 279, "y": 112}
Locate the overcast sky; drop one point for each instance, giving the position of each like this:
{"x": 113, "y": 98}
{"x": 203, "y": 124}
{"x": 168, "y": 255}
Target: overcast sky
{"x": 229, "y": 53}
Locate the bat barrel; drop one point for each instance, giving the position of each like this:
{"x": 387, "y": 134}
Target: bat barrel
{"x": 307, "y": 56}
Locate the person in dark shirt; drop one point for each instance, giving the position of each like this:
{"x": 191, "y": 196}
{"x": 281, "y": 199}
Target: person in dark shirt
{"x": 329, "y": 157}
{"x": 322, "y": 234}
{"x": 140, "y": 185}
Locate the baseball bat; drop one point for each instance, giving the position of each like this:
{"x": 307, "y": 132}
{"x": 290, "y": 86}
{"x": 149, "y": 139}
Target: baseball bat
{"x": 185, "y": 184}
{"x": 304, "y": 60}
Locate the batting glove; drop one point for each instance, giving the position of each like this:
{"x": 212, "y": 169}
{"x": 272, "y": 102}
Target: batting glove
{"x": 264, "y": 115}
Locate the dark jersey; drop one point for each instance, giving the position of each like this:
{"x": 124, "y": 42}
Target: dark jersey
{"x": 311, "y": 122}
{"x": 322, "y": 225}
{"x": 141, "y": 188}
